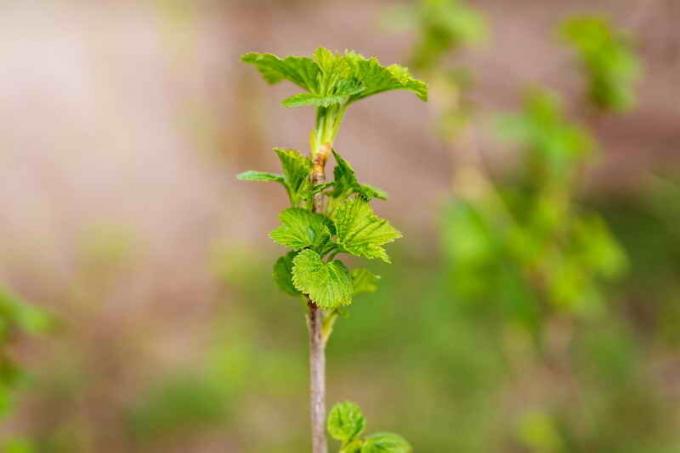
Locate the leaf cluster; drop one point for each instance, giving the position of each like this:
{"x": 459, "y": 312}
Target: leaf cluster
{"x": 346, "y": 423}
{"x": 349, "y": 226}
{"x": 331, "y": 82}
{"x": 606, "y": 54}
{"x": 329, "y": 78}
{"x": 443, "y": 29}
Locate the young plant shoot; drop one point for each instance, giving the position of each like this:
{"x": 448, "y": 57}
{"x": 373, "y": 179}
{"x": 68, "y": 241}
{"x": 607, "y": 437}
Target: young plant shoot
{"x": 327, "y": 218}
{"x": 346, "y": 424}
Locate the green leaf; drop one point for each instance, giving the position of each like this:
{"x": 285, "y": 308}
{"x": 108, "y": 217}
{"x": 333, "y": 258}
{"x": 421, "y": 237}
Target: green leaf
{"x": 377, "y": 78}
{"x": 346, "y": 182}
{"x": 386, "y": 443}
{"x": 283, "y": 274}
{"x": 302, "y": 71}
{"x": 329, "y": 285}
{"x": 295, "y": 178}
{"x": 344, "y": 89}
{"x": 264, "y": 176}
{"x": 334, "y": 79}
{"x": 361, "y": 232}
{"x": 345, "y": 422}
{"x": 368, "y": 192}
{"x": 296, "y": 170}
{"x": 301, "y": 228}
{"x": 344, "y": 177}
{"x": 364, "y": 281}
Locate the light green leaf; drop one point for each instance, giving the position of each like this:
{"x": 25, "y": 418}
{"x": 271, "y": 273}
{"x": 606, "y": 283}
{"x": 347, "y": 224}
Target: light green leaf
{"x": 345, "y": 422}
{"x": 344, "y": 90}
{"x": 346, "y": 182}
{"x": 295, "y": 178}
{"x": 296, "y": 170}
{"x": 377, "y": 78}
{"x": 361, "y": 232}
{"x": 334, "y": 79}
{"x": 364, "y": 281}
{"x": 369, "y": 192}
{"x": 344, "y": 177}
{"x": 329, "y": 285}
{"x": 358, "y": 77}
{"x": 386, "y": 443}
{"x": 302, "y": 71}
{"x": 263, "y": 176}
{"x": 301, "y": 228}
{"x": 283, "y": 274}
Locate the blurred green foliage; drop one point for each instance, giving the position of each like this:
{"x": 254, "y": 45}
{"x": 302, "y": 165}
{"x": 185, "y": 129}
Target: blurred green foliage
{"x": 537, "y": 431}
{"x": 553, "y": 149}
{"x": 444, "y": 28}
{"x": 16, "y": 317}
{"x": 610, "y": 64}
{"x": 179, "y": 404}
{"x": 18, "y": 445}
{"x": 526, "y": 261}
{"x": 248, "y": 379}
{"x": 647, "y": 224}
{"x": 526, "y": 245}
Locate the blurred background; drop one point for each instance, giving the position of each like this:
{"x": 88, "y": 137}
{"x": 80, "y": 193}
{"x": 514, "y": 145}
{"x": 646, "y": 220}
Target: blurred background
{"x": 533, "y": 305}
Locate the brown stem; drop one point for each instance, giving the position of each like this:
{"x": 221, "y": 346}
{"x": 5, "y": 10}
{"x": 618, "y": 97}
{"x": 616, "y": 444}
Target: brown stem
{"x": 317, "y": 379}
{"x": 317, "y": 344}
